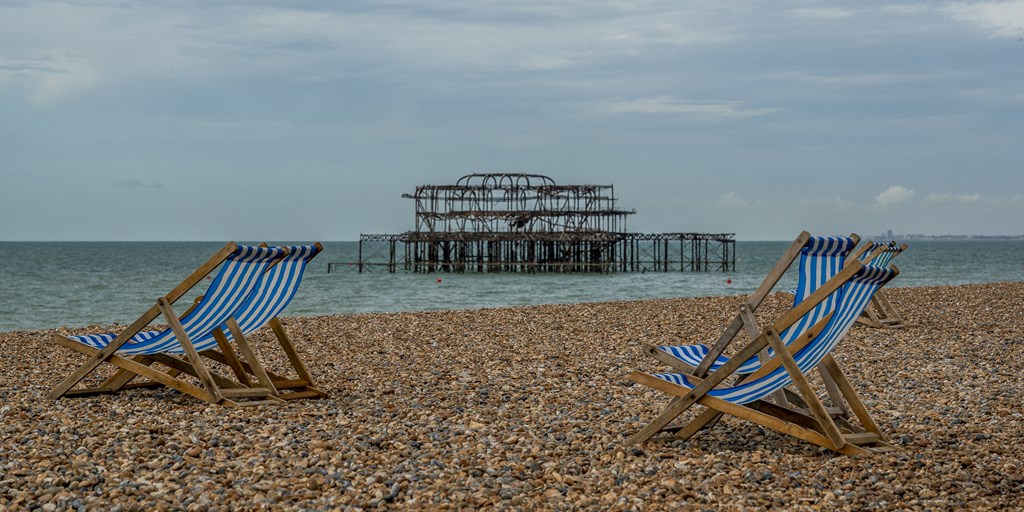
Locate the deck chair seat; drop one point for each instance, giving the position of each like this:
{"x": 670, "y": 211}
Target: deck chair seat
{"x": 133, "y": 350}
{"x": 821, "y": 258}
{"x": 851, "y": 289}
{"x": 692, "y": 355}
{"x": 147, "y": 342}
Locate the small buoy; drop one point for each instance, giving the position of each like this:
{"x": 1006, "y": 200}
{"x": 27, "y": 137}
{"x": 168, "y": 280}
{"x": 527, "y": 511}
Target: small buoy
{"x": 728, "y": 281}
{"x": 439, "y": 279}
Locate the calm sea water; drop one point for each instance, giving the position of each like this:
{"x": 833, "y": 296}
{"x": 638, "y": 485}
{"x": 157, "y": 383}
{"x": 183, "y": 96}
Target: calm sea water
{"x": 53, "y": 284}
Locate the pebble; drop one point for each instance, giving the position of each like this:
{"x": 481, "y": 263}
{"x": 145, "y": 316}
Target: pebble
{"x": 527, "y": 408}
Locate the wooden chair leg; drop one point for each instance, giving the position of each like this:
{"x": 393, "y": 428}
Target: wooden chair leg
{"x": 289, "y": 350}
{"x": 151, "y": 384}
{"x": 754, "y": 331}
{"x": 230, "y": 358}
{"x": 888, "y": 314}
{"x": 869, "y": 318}
{"x": 250, "y": 357}
{"x": 834, "y": 394}
{"x": 306, "y": 390}
{"x": 674, "y": 409}
{"x": 795, "y": 399}
{"x": 807, "y": 392}
{"x": 190, "y": 351}
{"x": 848, "y": 392}
{"x": 121, "y": 377}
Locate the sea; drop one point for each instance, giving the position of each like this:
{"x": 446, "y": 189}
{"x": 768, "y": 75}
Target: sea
{"x": 54, "y": 284}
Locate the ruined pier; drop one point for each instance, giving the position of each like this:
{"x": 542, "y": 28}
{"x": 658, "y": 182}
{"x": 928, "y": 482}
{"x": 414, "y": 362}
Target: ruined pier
{"x": 528, "y": 223}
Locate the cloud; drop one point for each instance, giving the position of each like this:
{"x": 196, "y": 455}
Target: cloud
{"x": 1001, "y": 19}
{"x": 854, "y": 79}
{"x": 1007, "y": 94}
{"x": 48, "y": 78}
{"x": 906, "y": 8}
{"x": 544, "y": 62}
{"x": 953, "y": 198}
{"x": 714, "y": 109}
{"x": 445, "y": 45}
{"x": 825, "y": 202}
{"x": 138, "y": 184}
{"x": 894, "y": 195}
{"x": 460, "y": 36}
{"x": 735, "y": 201}
{"x": 823, "y": 12}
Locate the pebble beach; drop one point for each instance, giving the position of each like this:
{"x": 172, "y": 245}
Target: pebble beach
{"x": 527, "y": 408}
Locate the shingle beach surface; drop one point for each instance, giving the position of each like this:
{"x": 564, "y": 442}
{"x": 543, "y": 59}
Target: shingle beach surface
{"x": 527, "y": 408}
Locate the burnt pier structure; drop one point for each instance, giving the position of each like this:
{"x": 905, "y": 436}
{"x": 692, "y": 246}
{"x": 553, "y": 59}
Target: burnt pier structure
{"x": 511, "y": 222}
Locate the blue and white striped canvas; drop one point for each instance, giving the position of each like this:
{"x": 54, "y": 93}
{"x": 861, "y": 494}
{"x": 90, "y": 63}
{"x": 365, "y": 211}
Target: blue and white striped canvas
{"x": 238, "y": 276}
{"x": 851, "y": 299}
{"x": 820, "y": 260}
{"x": 274, "y": 291}
{"x": 884, "y": 257}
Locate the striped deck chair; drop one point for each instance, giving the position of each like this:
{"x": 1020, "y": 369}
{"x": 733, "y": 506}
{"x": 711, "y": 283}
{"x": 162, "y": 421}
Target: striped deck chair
{"x": 812, "y": 421}
{"x": 273, "y": 293}
{"x": 240, "y": 271}
{"x": 821, "y": 258}
{"x": 880, "y": 312}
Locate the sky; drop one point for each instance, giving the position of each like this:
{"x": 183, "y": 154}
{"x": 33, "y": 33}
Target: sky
{"x": 307, "y": 120}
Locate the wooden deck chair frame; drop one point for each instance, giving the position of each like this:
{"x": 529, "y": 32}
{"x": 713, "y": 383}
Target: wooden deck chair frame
{"x": 213, "y": 387}
{"x": 250, "y": 371}
{"x": 746, "y": 320}
{"x": 814, "y": 423}
{"x": 881, "y": 313}
{"x": 287, "y": 388}
{"x": 840, "y": 404}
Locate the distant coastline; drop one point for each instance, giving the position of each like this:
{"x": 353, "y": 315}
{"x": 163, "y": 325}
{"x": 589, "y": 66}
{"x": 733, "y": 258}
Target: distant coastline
{"x": 925, "y": 238}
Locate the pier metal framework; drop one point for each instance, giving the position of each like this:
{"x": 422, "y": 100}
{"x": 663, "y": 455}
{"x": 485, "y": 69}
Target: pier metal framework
{"x": 527, "y": 223}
